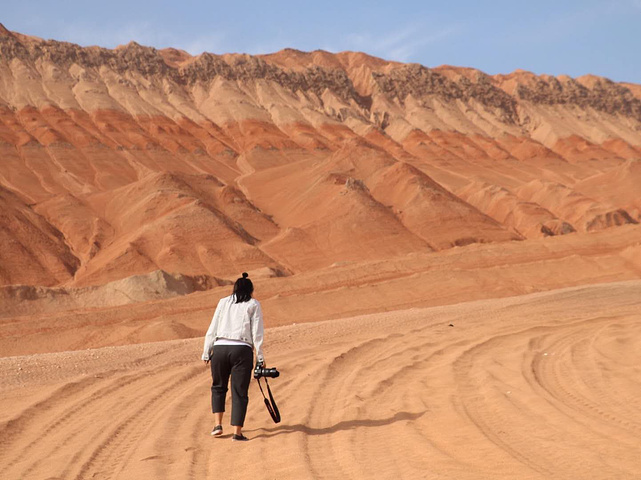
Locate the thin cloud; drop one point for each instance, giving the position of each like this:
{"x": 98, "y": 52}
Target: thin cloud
{"x": 402, "y": 45}
{"x": 565, "y": 25}
{"x": 141, "y": 32}
{"x": 144, "y": 33}
{"x": 270, "y": 47}
{"x": 625, "y": 4}
{"x": 212, "y": 43}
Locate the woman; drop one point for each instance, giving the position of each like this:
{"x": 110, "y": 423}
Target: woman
{"x": 236, "y": 329}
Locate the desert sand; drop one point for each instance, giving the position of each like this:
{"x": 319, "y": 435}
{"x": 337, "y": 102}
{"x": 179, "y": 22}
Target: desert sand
{"x": 535, "y": 386}
{"x": 449, "y": 264}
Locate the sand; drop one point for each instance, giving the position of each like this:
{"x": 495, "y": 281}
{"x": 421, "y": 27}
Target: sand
{"x": 157, "y": 307}
{"x": 449, "y": 264}
{"x": 534, "y": 386}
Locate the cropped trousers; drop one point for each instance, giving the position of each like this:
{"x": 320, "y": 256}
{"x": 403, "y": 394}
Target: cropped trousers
{"x": 237, "y": 361}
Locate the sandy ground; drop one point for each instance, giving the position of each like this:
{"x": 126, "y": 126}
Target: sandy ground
{"x": 537, "y": 386}
{"x": 66, "y": 320}
{"x": 135, "y": 184}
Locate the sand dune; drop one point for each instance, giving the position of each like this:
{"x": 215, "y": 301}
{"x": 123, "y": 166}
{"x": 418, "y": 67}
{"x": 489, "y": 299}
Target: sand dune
{"x": 537, "y": 386}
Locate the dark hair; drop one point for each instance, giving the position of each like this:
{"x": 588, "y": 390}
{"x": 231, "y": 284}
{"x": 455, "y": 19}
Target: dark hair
{"x": 243, "y": 289}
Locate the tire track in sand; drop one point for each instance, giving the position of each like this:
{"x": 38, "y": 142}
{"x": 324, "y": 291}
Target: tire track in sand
{"x": 533, "y": 387}
{"x": 109, "y": 457}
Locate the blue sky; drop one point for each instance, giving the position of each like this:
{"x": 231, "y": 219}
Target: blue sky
{"x": 570, "y": 37}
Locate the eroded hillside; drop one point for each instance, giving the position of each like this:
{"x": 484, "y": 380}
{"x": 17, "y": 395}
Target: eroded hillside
{"x": 122, "y": 162}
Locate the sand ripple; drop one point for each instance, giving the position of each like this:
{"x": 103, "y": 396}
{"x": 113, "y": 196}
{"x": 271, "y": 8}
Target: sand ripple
{"x": 538, "y": 386}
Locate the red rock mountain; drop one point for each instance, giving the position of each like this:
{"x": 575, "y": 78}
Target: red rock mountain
{"x": 122, "y": 162}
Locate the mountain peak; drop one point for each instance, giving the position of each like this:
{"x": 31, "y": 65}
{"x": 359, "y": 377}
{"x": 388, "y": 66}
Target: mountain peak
{"x": 4, "y": 32}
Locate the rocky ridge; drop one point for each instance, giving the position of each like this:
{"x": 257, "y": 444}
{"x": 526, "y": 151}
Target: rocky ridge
{"x": 403, "y": 80}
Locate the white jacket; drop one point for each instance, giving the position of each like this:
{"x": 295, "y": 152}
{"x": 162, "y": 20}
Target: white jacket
{"x": 236, "y": 321}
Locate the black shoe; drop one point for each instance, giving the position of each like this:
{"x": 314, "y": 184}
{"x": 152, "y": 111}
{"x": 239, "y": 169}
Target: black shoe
{"x": 239, "y": 438}
{"x": 217, "y": 431}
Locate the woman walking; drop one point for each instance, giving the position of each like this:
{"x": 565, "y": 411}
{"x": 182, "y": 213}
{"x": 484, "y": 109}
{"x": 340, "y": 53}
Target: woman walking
{"x": 236, "y": 329}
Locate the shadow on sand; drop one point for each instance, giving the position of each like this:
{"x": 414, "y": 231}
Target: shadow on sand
{"x": 346, "y": 425}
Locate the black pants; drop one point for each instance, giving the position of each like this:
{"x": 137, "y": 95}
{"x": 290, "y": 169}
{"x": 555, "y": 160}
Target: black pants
{"x": 237, "y": 361}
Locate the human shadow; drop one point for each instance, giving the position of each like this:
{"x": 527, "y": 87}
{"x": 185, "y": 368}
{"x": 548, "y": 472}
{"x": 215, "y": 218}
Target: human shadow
{"x": 340, "y": 426}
